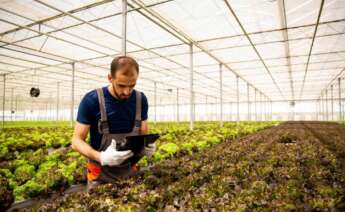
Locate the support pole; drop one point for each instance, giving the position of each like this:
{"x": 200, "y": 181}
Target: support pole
{"x": 260, "y": 106}
{"x": 3, "y": 101}
{"x": 238, "y": 99}
{"x": 265, "y": 108}
{"x": 57, "y": 100}
{"x": 155, "y": 101}
{"x": 16, "y": 109}
{"x": 271, "y": 110}
{"x": 317, "y": 105}
{"x": 72, "y": 95}
{"x": 177, "y": 106}
{"x": 248, "y": 104}
{"x": 326, "y": 105}
{"x": 323, "y": 108}
{"x": 339, "y": 97}
{"x": 255, "y": 107}
{"x": 11, "y": 109}
{"x": 221, "y": 93}
{"x": 332, "y": 101}
{"x": 191, "y": 123}
{"x": 124, "y": 27}
{"x": 46, "y": 112}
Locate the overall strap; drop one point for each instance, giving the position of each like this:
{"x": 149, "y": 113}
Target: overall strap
{"x": 137, "y": 123}
{"x": 103, "y": 127}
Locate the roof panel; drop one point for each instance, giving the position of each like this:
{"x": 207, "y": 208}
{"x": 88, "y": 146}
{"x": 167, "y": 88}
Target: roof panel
{"x": 191, "y": 16}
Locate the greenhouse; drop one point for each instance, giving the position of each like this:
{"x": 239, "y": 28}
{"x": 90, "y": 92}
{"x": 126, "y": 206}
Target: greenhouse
{"x": 245, "y": 98}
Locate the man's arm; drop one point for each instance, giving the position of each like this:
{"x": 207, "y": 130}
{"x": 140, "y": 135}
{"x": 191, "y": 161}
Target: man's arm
{"x": 144, "y": 127}
{"x": 79, "y": 144}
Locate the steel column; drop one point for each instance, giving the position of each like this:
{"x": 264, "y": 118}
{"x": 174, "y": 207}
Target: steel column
{"x": 271, "y": 110}
{"x": 265, "y": 108}
{"x": 221, "y": 93}
{"x": 191, "y": 123}
{"x": 248, "y": 103}
{"x": 323, "y": 108}
{"x": 155, "y": 101}
{"x": 16, "y": 108}
{"x": 11, "y": 109}
{"x": 318, "y": 110}
{"x": 332, "y": 104}
{"x": 177, "y": 106}
{"x": 72, "y": 95}
{"x": 57, "y": 100}
{"x": 326, "y": 105}
{"x": 238, "y": 99}
{"x": 255, "y": 109}
{"x": 339, "y": 99}
{"x": 260, "y": 106}
{"x": 124, "y": 27}
{"x": 3, "y": 100}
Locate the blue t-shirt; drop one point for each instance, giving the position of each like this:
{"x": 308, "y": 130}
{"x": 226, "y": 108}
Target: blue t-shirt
{"x": 120, "y": 114}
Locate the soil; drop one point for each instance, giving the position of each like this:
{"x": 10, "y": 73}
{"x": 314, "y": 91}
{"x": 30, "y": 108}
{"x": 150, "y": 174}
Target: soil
{"x": 293, "y": 166}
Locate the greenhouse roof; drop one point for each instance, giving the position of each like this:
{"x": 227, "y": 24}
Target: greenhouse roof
{"x": 286, "y": 50}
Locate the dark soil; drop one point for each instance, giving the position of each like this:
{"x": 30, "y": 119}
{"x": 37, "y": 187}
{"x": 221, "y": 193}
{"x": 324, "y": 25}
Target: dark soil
{"x": 294, "y": 166}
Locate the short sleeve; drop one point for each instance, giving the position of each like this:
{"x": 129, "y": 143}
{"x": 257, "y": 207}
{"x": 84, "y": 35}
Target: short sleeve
{"x": 144, "y": 107}
{"x": 85, "y": 112}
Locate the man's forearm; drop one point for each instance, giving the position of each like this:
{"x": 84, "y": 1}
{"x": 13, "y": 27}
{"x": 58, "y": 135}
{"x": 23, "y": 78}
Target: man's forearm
{"x": 85, "y": 149}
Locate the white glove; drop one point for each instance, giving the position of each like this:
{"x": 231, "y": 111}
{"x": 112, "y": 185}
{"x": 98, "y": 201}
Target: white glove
{"x": 150, "y": 149}
{"x": 112, "y": 157}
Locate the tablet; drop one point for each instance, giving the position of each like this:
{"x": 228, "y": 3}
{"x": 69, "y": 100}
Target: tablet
{"x": 137, "y": 142}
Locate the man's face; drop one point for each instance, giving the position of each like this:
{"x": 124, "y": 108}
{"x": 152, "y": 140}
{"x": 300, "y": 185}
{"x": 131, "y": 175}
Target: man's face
{"x": 124, "y": 83}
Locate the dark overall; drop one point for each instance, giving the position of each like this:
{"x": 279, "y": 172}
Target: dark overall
{"x": 98, "y": 174}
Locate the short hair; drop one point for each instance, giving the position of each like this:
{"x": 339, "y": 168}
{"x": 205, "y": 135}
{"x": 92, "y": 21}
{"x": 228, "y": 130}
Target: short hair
{"x": 123, "y": 62}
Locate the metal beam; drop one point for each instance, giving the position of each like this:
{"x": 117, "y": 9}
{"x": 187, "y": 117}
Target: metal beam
{"x": 283, "y": 23}
{"x": 332, "y": 105}
{"x": 11, "y": 109}
{"x": 124, "y": 27}
{"x": 81, "y": 61}
{"x": 72, "y": 95}
{"x": 55, "y": 29}
{"x": 3, "y": 100}
{"x": 51, "y": 36}
{"x": 177, "y": 106}
{"x": 109, "y": 32}
{"x": 248, "y": 104}
{"x": 261, "y": 108}
{"x": 255, "y": 102}
{"x": 155, "y": 101}
{"x": 339, "y": 75}
{"x": 236, "y": 46}
{"x": 323, "y": 107}
{"x": 311, "y": 46}
{"x": 339, "y": 97}
{"x": 238, "y": 100}
{"x": 106, "y": 31}
{"x": 191, "y": 84}
{"x": 254, "y": 48}
{"x": 171, "y": 28}
{"x": 221, "y": 93}
{"x": 57, "y": 100}
{"x": 327, "y": 105}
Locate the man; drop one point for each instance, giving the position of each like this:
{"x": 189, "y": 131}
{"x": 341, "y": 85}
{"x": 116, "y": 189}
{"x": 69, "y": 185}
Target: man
{"x": 109, "y": 114}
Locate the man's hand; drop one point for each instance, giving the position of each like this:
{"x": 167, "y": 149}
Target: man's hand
{"x": 112, "y": 157}
{"x": 149, "y": 149}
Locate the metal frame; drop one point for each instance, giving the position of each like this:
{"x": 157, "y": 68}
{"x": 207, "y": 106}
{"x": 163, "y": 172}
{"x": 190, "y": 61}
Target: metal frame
{"x": 148, "y": 12}
{"x": 311, "y": 46}
{"x": 339, "y": 99}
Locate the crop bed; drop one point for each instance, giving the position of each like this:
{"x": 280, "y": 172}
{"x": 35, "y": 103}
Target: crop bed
{"x": 38, "y": 162}
{"x": 293, "y": 166}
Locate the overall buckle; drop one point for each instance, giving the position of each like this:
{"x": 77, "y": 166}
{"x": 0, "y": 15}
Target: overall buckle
{"x": 103, "y": 127}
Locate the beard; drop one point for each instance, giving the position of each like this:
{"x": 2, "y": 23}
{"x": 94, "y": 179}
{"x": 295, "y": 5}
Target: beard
{"x": 121, "y": 97}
